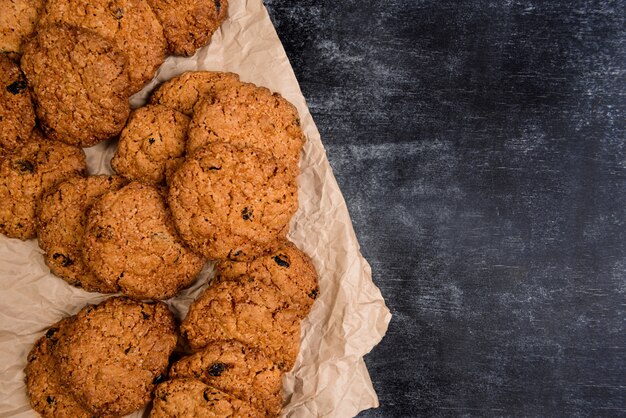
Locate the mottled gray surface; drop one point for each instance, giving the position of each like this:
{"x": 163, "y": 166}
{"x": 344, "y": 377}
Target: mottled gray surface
{"x": 480, "y": 147}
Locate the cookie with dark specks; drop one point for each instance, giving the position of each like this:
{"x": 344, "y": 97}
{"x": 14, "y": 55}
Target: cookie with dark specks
{"x": 231, "y": 202}
{"x": 189, "y": 24}
{"x": 130, "y": 24}
{"x": 17, "y": 115}
{"x": 79, "y": 82}
{"x": 288, "y": 269}
{"x": 17, "y": 22}
{"x": 61, "y": 218}
{"x": 182, "y": 398}
{"x": 47, "y": 396}
{"x": 151, "y": 143}
{"x": 235, "y": 368}
{"x": 26, "y": 174}
{"x": 130, "y": 242}
{"x": 247, "y": 311}
{"x": 113, "y": 355}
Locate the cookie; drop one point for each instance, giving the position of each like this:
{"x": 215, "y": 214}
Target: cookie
{"x": 80, "y": 84}
{"x": 189, "y": 24}
{"x": 130, "y": 24}
{"x": 235, "y": 368}
{"x": 113, "y": 355}
{"x": 61, "y": 218}
{"x": 249, "y": 116}
{"x": 130, "y": 242}
{"x": 26, "y": 174}
{"x": 288, "y": 270}
{"x": 153, "y": 140}
{"x": 181, "y": 398}
{"x": 17, "y": 22}
{"x": 247, "y": 311}
{"x": 231, "y": 202}
{"x": 183, "y": 92}
{"x": 17, "y": 115}
{"x": 47, "y": 396}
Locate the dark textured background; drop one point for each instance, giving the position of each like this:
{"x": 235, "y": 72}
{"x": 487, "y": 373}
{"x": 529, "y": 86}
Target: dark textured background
{"x": 480, "y": 147}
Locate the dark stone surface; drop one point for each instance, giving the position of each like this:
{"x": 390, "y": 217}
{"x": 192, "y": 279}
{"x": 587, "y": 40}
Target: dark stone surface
{"x": 480, "y": 147}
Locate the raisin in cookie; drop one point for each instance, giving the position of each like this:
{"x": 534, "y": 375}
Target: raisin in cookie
{"x": 26, "y": 174}
{"x": 231, "y": 202}
{"x": 238, "y": 369}
{"x": 152, "y": 141}
{"x": 130, "y": 242}
{"x": 80, "y": 84}
{"x": 17, "y": 115}
{"x": 61, "y": 218}
{"x": 112, "y": 355}
{"x": 288, "y": 269}
{"x": 17, "y": 22}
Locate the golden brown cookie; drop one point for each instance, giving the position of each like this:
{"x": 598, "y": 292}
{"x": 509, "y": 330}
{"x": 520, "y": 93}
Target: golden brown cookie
{"x": 231, "y": 202}
{"x": 17, "y": 115}
{"x": 26, "y": 174}
{"x": 247, "y": 311}
{"x": 47, "y": 396}
{"x": 183, "y": 92}
{"x": 130, "y": 24}
{"x": 113, "y": 355}
{"x": 189, "y": 24}
{"x": 182, "y": 398}
{"x": 130, "y": 242}
{"x": 249, "y": 116}
{"x": 235, "y": 368}
{"x": 61, "y": 218}
{"x": 17, "y": 22}
{"x": 79, "y": 82}
{"x": 153, "y": 140}
{"x": 288, "y": 270}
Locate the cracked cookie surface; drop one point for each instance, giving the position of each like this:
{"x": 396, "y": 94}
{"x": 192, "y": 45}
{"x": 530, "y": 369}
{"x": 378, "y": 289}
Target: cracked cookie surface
{"x": 17, "y": 22}
{"x": 17, "y": 115}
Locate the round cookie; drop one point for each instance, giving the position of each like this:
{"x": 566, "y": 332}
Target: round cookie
{"x": 61, "y": 218}
{"x": 249, "y": 312}
{"x": 26, "y": 174}
{"x": 80, "y": 84}
{"x": 181, "y": 398}
{"x": 17, "y": 22}
{"x": 231, "y": 202}
{"x": 130, "y": 242}
{"x": 242, "y": 371}
{"x": 130, "y": 24}
{"x": 183, "y": 92}
{"x": 249, "y": 116}
{"x": 17, "y": 115}
{"x": 189, "y": 24}
{"x": 47, "y": 396}
{"x": 288, "y": 270}
{"x": 153, "y": 140}
{"x": 114, "y": 354}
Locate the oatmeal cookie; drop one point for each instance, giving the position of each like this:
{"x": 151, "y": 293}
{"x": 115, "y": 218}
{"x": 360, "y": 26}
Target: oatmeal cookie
{"x": 80, "y": 84}
{"x": 17, "y": 115}
{"x": 17, "y": 22}
{"x": 130, "y": 242}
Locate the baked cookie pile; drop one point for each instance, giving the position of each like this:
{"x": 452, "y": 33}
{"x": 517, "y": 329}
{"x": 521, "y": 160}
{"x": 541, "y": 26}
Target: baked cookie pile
{"x": 206, "y": 171}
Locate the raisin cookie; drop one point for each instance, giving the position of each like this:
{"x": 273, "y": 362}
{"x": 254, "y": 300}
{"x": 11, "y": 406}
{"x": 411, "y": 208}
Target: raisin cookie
{"x": 130, "y": 242}
{"x": 288, "y": 269}
{"x": 247, "y": 311}
{"x": 26, "y": 174}
{"x": 235, "y": 368}
{"x": 112, "y": 355}
{"x": 182, "y": 398}
{"x": 17, "y": 22}
{"x": 189, "y": 24}
{"x": 152, "y": 141}
{"x": 17, "y": 115}
{"x": 80, "y": 84}
{"x": 130, "y": 24}
{"x": 231, "y": 202}
{"x": 61, "y": 218}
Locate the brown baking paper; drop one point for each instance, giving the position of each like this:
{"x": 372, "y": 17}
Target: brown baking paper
{"x": 350, "y": 317}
